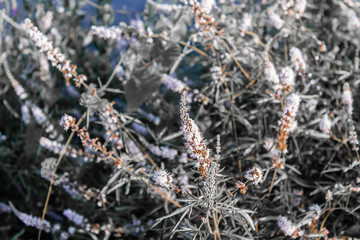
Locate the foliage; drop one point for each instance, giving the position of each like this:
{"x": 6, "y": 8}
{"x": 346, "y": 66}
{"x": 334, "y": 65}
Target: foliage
{"x": 198, "y": 120}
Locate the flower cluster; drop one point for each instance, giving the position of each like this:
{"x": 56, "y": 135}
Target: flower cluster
{"x": 4, "y": 208}
{"x": 54, "y": 55}
{"x": 210, "y": 184}
{"x": 163, "y": 7}
{"x": 270, "y": 73}
{"x": 68, "y": 121}
{"x": 255, "y": 175}
{"x": 294, "y": 7}
{"x": 75, "y": 217}
{"x": 288, "y": 227}
{"x": 288, "y": 123}
{"x": 106, "y": 32}
{"x": 347, "y": 98}
{"x": 164, "y": 152}
{"x": 353, "y": 138}
{"x": 56, "y": 147}
{"x": 297, "y": 59}
{"x": 173, "y": 83}
{"x": 195, "y": 142}
{"x": 275, "y": 20}
{"x": 287, "y": 79}
{"x": 162, "y": 178}
{"x": 317, "y": 211}
{"x": 32, "y": 221}
{"x": 243, "y": 188}
{"x": 19, "y": 90}
{"x": 110, "y": 123}
{"x": 325, "y": 124}
{"x": 203, "y": 19}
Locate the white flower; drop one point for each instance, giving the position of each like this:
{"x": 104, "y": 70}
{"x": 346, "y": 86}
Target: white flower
{"x": 297, "y": 59}
{"x": 347, "y": 98}
{"x": 286, "y": 225}
{"x": 74, "y": 217}
{"x": 275, "y": 20}
{"x": 67, "y": 121}
{"x": 255, "y": 175}
{"x": 173, "y": 83}
{"x": 270, "y": 73}
{"x": 162, "y": 178}
{"x": 290, "y": 112}
{"x": 325, "y": 124}
{"x": 287, "y": 78}
{"x": 106, "y": 32}
{"x": 164, "y": 152}
{"x": 317, "y": 211}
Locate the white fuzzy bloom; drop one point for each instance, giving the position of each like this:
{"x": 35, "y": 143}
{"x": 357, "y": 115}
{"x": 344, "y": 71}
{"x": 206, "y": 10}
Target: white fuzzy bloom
{"x": 300, "y": 7}
{"x": 31, "y": 220}
{"x": 183, "y": 158}
{"x": 194, "y": 141}
{"x": 255, "y": 175}
{"x": 246, "y": 22}
{"x": 4, "y": 208}
{"x": 329, "y": 196}
{"x": 208, "y": 5}
{"x": 291, "y": 109}
{"x": 46, "y": 21}
{"x": 268, "y": 143}
{"x": 292, "y": 104}
{"x": 286, "y": 225}
{"x": 294, "y": 7}
{"x": 347, "y": 98}
{"x": 138, "y": 24}
{"x": 51, "y": 145}
{"x": 20, "y": 91}
{"x": 270, "y": 73}
{"x": 275, "y": 20}
{"x": 287, "y": 78}
{"x": 325, "y": 124}
{"x": 38, "y": 114}
{"x": 25, "y": 113}
{"x": 164, "y": 152}
{"x": 67, "y": 121}
{"x": 297, "y": 59}
{"x": 106, "y": 32}
{"x": 75, "y": 217}
{"x": 165, "y": 8}
{"x": 317, "y": 211}
{"x": 162, "y": 178}
{"x": 54, "y": 55}
{"x": 173, "y": 83}
{"x": 353, "y": 138}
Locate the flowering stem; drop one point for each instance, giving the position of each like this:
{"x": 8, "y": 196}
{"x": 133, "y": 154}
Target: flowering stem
{"x": 53, "y": 174}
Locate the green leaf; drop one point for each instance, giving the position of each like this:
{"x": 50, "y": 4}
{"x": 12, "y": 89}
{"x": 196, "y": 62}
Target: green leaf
{"x": 144, "y": 81}
{"x": 166, "y": 58}
{"x": 178, "y": 32}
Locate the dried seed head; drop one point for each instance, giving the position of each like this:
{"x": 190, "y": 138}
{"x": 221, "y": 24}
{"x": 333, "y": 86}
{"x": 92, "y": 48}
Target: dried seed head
{"x": 241, "y": 186}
